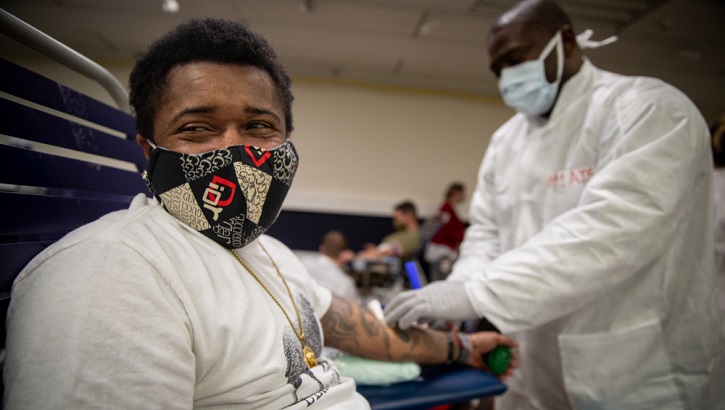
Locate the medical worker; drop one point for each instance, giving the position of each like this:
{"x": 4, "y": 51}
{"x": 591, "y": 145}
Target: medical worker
{"x": 591, "y": 232}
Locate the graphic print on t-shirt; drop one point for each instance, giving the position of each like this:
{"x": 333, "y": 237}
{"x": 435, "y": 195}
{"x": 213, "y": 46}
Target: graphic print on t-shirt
{"x": 306, "y": 382}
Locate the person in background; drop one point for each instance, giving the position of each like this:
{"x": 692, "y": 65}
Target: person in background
{"x": 404, "y": 243}
{"x": 590, "y": 238}
{"x": 327, "y": 266}
{"x": 717, "y": 132}
{"x": 442, "y": 248}
{"x": 182, "y": 302}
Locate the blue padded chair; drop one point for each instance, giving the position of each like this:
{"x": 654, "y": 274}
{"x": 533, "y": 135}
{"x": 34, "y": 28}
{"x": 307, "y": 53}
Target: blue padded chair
{"x": 438, "y": 385}
{"x": 44, "y": 193}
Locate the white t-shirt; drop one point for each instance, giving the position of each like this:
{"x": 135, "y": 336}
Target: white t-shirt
{"x": 329, "y": 275}
{"x": 137, "y": 310}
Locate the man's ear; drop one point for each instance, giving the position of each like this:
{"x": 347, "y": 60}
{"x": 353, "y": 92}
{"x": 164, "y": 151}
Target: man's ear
{"x": 144, "y": 143}
{"x": 568, "y": 38}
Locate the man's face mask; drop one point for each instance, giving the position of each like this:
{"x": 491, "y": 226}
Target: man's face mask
{"x": 524, "y": 87}
{"x": 231, "y": 195}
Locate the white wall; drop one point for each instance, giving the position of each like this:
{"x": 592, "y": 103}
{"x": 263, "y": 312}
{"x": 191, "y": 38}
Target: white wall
{"x": 364, "y": 147}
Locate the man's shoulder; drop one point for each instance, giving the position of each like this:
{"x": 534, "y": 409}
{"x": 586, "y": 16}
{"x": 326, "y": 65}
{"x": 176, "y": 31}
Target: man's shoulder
{"x": 313, "y": 259}
{"x": 631, "y": 88}
{"x": 118, "y": 224}
{"x": 276, "y": 246}
{"x": 405, "y": 233}
{"x": 113, "y": 227}
{"x": 412, "y": 238}
{"x": 626, "y": 99}
{"x": 516, "y": 125}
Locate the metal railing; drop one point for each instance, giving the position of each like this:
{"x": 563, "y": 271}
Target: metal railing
{"x": 24, "y": 33}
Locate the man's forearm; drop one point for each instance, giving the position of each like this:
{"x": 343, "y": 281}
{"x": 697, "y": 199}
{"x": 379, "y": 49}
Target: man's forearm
{"x": 354, "y": 329}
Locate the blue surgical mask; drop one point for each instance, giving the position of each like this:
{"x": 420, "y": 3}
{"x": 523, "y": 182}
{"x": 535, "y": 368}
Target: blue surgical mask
{"x": 524, "y": 87}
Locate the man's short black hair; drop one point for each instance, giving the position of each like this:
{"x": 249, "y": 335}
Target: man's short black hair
{"x": 407, "y": 207}
{"x": 210, "y": 39}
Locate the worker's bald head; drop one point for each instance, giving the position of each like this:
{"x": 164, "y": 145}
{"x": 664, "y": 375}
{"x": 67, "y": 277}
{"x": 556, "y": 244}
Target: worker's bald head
{"x": 522, "y": 33}
{"x": 541, "y": 16}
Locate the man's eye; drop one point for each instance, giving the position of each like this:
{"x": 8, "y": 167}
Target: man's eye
{"x": 193, "y": 128}
{"x": 257, "y": 125}
{"x": 516, "y": 57}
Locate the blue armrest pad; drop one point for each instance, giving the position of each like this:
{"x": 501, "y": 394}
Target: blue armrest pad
{"x": 453, "y": 385}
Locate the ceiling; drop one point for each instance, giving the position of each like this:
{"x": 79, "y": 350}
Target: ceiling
{"x": 429, "y": 44}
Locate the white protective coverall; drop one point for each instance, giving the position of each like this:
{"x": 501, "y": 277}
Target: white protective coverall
{"x": 590, "y": 243}
{"x": 719, "y": 188}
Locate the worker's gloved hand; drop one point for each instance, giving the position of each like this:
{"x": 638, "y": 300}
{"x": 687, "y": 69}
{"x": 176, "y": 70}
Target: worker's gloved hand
{"x": 438, "y": 300}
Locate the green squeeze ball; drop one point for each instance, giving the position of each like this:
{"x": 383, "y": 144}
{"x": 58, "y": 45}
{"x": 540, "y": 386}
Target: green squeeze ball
{"x": 498, "y": 360}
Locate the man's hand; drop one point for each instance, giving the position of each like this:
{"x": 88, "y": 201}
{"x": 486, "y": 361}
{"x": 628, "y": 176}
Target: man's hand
{"x": 485, "y": 342}
{"x": 438, "y": 300}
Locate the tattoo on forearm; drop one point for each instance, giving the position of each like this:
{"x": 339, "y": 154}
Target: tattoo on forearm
{"x": 354, "y": 329}
{"x": 369, "y": 322}
{"x": 339, "y": 329}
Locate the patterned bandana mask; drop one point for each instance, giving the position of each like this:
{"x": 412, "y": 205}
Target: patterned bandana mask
{"x": 231, "y": 195}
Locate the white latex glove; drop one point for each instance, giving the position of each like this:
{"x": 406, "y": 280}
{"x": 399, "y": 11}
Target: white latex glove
{"x": 438, "y": 300}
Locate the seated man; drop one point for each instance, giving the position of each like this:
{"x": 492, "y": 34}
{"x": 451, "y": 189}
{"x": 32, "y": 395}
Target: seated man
{"x": 404, "y": 242}
{"x": 326, "y": 266}
{"x": 182, "y": 302}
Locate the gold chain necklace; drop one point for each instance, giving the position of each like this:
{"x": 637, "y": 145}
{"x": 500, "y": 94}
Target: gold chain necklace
{"x": 309, "y": 355}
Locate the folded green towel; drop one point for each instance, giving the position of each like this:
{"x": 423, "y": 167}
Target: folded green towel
{"x": 374, "y": 372}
